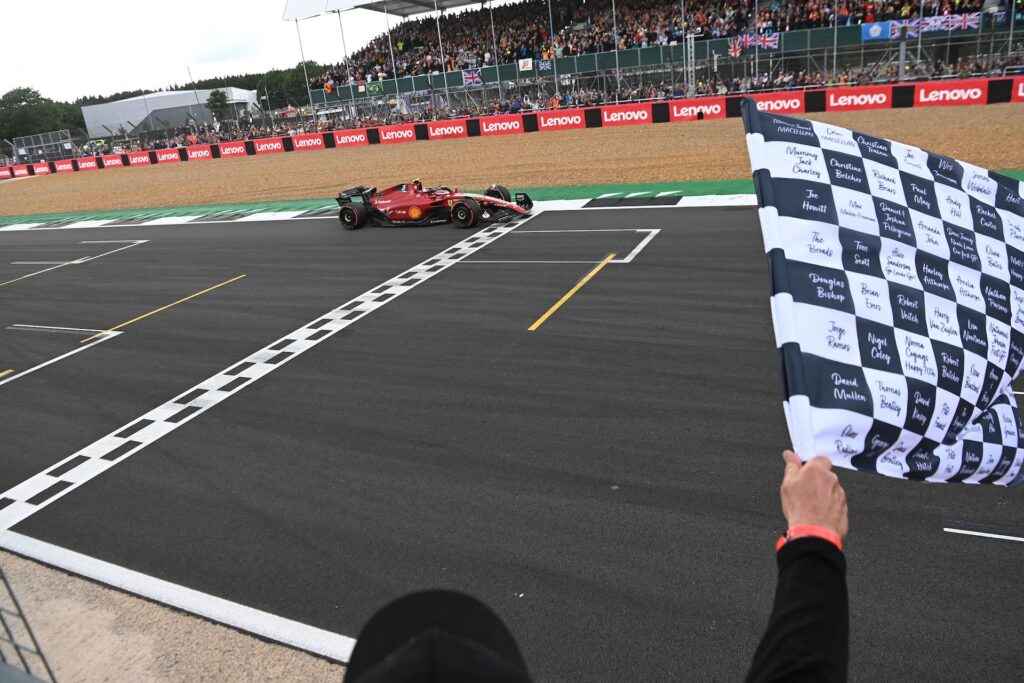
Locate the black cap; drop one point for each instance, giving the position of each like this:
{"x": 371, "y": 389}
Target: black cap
{"x": 437, "y": 635}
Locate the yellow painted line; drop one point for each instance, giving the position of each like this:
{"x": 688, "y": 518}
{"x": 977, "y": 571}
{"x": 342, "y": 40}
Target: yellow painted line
{"x": 568, "y": 295}
{"x": 162, "y": 308}
{"x": 6, "y": 372}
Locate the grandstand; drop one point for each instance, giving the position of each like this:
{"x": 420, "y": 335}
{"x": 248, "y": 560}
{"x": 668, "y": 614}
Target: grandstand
{"x": 159, "y": 111}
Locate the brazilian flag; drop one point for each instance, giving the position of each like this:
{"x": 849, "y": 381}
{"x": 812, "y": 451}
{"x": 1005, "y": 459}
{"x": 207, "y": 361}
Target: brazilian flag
{"x": 375, "y": 88}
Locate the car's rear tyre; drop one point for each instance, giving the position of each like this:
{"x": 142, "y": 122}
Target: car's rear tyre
{"x": 353, "y": 216}
{"x": 465, "y": 213}
{"x": 499, "y": 192}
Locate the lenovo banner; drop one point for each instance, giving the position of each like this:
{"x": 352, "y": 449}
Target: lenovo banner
{"x": 300, "y": 143}
{"x": 626, "y": 114}
{"x": 561, "y": 119}
{"x": 138, "y": 159}
{"x": 1018, "y": 90}
{"x": 350, "y": 138}
{"x": 866, "y": 97}
{"x": 231, "y": 149}
{"x": 780, "y": 102}
{"x": 501, "y": 125}
{"x": 41, "y": 169}
{"x": 439, "y": 130}
{"x": 950, "y": 93}
{"x": 88, "y": 164}
{"x": 691, "y": 110}
{"x": 392, "y": 134}
{"x": 63, "y": 166}
{"x": 199, "y": 152}
{"x": 5, "y": 173}
{"x": 268, "y": 145}
{"x": 20, "y": 171}
{"x": 111, "y": 161}
{"x": 168, "y": 156}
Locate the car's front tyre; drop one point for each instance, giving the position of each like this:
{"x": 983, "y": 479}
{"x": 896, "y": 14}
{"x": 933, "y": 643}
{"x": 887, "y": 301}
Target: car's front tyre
{"x": 466, "y": 212}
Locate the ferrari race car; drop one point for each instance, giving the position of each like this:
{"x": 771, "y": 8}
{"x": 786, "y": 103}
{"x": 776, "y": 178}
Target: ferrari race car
{"x": 413, "y": 204}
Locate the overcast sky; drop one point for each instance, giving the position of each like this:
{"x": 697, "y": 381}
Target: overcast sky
{"x": 69, "y": 48}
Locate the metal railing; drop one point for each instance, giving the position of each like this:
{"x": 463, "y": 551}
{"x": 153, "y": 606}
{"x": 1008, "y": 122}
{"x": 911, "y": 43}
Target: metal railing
{"x": 18, "y": 645}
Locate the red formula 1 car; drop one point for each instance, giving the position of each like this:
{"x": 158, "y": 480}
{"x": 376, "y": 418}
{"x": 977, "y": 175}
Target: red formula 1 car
{"x": 413, "y": 204}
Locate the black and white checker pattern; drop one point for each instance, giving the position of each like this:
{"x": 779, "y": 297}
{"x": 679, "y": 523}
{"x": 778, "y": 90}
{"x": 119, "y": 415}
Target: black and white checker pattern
{"x": 42, "y": 489}
{"x": 898, "y": 301}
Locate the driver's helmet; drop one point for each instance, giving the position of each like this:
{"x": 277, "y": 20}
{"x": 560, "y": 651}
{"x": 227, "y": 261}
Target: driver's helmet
{"x": 416, "y": 185}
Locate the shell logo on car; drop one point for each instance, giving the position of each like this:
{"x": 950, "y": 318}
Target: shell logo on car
{"x": 415, "y": 213}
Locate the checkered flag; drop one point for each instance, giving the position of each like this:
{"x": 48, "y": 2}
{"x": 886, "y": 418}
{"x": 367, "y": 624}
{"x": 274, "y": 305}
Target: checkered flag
{"x": 897, "y": 282}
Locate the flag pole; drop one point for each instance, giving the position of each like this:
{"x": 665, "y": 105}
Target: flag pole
{"x": 554, "y": 58}
{"x": 440, "y": 44}
{"x": 348, "y": 79}
{"x": 391, "y": 48}
{"x": 494, "y": 39}
{"x": 302, "y": 53}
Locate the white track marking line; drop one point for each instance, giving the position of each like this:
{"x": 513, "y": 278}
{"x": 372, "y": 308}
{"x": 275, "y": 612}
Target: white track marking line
{"x": 38, "y": 263}
{"x": 983, "y": 534}
{"x": 637, "y": 194}
{"x": 41, "y": 490}
{"x": 608, "y": 195}
{"x": 628, "y": 258}
{"x": 483, "y": 261}
{"x": 50, "y": 328}
{"x": 670, "y": 192}
{"x": 263, "y": 624}
{"x": 19, "y": 375}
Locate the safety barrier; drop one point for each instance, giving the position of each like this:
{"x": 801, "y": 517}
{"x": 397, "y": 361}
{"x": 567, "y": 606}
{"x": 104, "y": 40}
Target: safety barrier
{"x": 895, "y": 96}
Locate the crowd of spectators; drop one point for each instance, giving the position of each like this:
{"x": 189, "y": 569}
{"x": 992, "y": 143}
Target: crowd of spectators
{"x": 522, "y": 30}
{"x": 540, "y": 99}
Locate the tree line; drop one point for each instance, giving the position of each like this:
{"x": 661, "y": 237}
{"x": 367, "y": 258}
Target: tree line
{"x": 24, "y": 111}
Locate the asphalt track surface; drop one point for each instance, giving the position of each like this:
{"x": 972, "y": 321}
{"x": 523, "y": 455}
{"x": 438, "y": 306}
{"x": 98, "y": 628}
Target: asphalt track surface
{"x": 608, "y": 483}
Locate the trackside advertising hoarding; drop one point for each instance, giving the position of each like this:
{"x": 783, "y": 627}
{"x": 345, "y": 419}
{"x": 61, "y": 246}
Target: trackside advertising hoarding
{"x": 439, "y": 130}
{"x": 5, "y": 173}
{"x": 865, "y": 97}
{"x": 138, "y": 159}
{"x": 792, "y": 102}
{"x": 392, "y": 134}
{"x": 168, "y": 156}
{"x": 62, "y": 166}
{"x": 1018, "y": 90}
{"x": 19, "y": 171}
{"x": 41, "y": 169}
{"x": 199, "y": 152}
{"x": 351, "y": 138}
{"x": 231, "y": 149}
{"x": 501, "y": 125}
{"x": 268, "y": 145}
{"x": 692, "y": 110}
{"x": 561, "y": 119}
{"x": 951, "y": 93}
{"x": 626, "y": 114}
{"x": 112, "y": 161}
{"x": 301, "y": 143}
{"x": 87, "y": 164}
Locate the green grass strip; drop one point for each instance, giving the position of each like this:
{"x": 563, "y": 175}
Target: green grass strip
{"x": 678, "y": 189}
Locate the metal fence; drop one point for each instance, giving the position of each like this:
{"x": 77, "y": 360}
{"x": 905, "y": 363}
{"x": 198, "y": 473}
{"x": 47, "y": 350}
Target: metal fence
{"x": 990, "y": 49}
{"x": 52, "y": 146}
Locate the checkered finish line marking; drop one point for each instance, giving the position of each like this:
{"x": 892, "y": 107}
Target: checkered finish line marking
{"x": 41, "y": 490}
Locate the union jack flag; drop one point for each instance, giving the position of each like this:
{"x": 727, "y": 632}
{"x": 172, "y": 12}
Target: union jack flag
{"x": 735, "y": 48}
{"x": 472, "y": 77}
{"x": 768, "y": 41}
{"x": 968, "y": 21}
{"x": 912, "y": 26}
{"x": 748, "y": 40}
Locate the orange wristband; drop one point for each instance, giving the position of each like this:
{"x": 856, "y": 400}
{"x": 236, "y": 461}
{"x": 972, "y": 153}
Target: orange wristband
{"x": 802, "y": 530}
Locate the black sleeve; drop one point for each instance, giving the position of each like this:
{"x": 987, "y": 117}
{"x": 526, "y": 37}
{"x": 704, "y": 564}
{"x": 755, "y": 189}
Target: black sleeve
{"x": 808, "y": 634}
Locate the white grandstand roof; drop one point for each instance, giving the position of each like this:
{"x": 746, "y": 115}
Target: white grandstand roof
{"x": 405, "y": 8}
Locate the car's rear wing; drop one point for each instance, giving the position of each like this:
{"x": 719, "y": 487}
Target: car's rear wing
{"x": 359, "y": 194}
